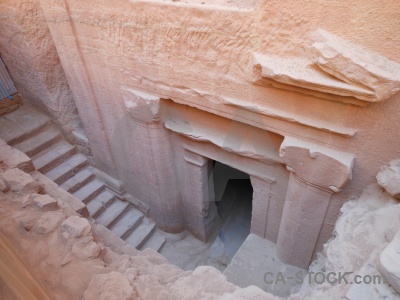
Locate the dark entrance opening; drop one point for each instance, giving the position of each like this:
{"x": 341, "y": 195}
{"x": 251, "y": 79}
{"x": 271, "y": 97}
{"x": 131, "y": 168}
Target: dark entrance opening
{"x": 233, "y": 198}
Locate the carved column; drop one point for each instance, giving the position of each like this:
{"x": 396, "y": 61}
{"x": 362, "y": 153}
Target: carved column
{"x": 316, "y": 172}
{"x": 198, "y": 198}
{"x": 268, "y": 201}
{"x": 155, "y": 167}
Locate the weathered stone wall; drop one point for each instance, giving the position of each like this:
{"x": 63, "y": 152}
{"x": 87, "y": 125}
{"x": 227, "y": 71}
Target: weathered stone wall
{"x": 201, "y": 55}
{"x": 196, "y": 54}
{"x": 28, "y": 50}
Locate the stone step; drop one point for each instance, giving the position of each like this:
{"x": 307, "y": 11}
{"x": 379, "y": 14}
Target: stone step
{"x": 101, "y": 202}
{"x": 77, "y": 181}
{"x": 127, "y": 223}
{"x": 21, "y": 124}
{"x": 67, "y": 169}
{"x": 89, "y": 191}
{"x": 53, "y": 156}
{"x": 155, "y": 242}
{"x": 141, "y": 234}
{"x": 38, "y": 142}
{"x": 113, "y": 213}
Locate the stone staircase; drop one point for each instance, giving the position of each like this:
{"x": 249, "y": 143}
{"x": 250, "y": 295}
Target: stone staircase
{"x": 33, "y": 133}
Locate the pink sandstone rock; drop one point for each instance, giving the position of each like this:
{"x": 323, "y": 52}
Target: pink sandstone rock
{"x": 3, "y": 186}
{"x": 111, "y": 286}
{"x": 14, "y": 158}
{"x": 76, "y": 227}
{"x": 28, "y": 221}
{"x": 49, "y": 221}
{"x": 355, "y": 65}
{"x": 389, "y": 263}
{"x": 389, "y": 178}
{"x": 20, "y": 182}
{"x": 28, "y": 199}
{"x": 203, "y": 276}
{"x": 86, "y": 248}
{"x": 46, "y": 203}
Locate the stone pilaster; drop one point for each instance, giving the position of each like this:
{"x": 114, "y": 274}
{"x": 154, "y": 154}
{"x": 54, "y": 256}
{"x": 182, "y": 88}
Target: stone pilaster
{"x": 268, "y": 201}
{"x": 158, "y": 170}
{"x": 316, "y": 173}
{"x": 199, "y": 209}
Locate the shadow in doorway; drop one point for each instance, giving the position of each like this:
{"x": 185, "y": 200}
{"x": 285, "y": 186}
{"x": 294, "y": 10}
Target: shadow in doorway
{"x": 235, "y": 210}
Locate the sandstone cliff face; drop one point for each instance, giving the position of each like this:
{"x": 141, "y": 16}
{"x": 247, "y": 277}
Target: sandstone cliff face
{"x": 200, "y": 55}
{"x": 192, "y": 54}
{"x": 28, "y": 51}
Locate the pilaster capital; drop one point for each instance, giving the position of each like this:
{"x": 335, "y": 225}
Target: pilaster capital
{"x": 141, "y": 106}
{"x": 194, "y": 158}
{"x": 317, "y": 165}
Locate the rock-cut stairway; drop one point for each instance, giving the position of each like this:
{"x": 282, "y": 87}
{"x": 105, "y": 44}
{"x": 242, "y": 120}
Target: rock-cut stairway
{"x": 33, "y": 133}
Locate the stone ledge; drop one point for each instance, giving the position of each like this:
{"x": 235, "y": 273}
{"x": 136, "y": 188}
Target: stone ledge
{"x": 338, "y": 70}
{"x": 238, "y": 5}
{"x": 201, "y": 133}
{"x": 355, "y": 65}
{"x": 300, "y": 75}
{"x": 282, "y": 115}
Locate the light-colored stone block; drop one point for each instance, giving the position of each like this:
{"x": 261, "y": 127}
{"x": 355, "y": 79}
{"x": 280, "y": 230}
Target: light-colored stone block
{"x": 53, "y": 190}
{"x": 389, "y": 178}
{"x": 86, "y": 248}
{"x": 76, "y": 227}
{"x": 111, "y": 286}
{"x": 48, "y": 222}
{"x": 46, "y": 203}
{"x": 20, "y": 182}
{"x": 389, "y": 263}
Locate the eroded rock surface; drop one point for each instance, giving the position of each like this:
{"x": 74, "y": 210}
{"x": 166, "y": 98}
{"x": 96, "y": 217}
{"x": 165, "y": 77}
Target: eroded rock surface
{"x": 366, "y": 226}
{"x": 76, "y": 227}
{"x": 46, "y": 203}
{"x": 389, "y": 263}
{"x": 20, "y": 182}
{"x": 389, "y": 178}
{"x": 111, "y": 286}
{"x": 355, "y": 65}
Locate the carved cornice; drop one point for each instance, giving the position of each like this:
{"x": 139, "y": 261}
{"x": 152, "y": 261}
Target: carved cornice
{"x": 300, "y": 75}
{"x": 220, "y": 105}
{"x": 336, "y": 70}
{"x": 228, "y": 141}
{"x": 295, "y": 119}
